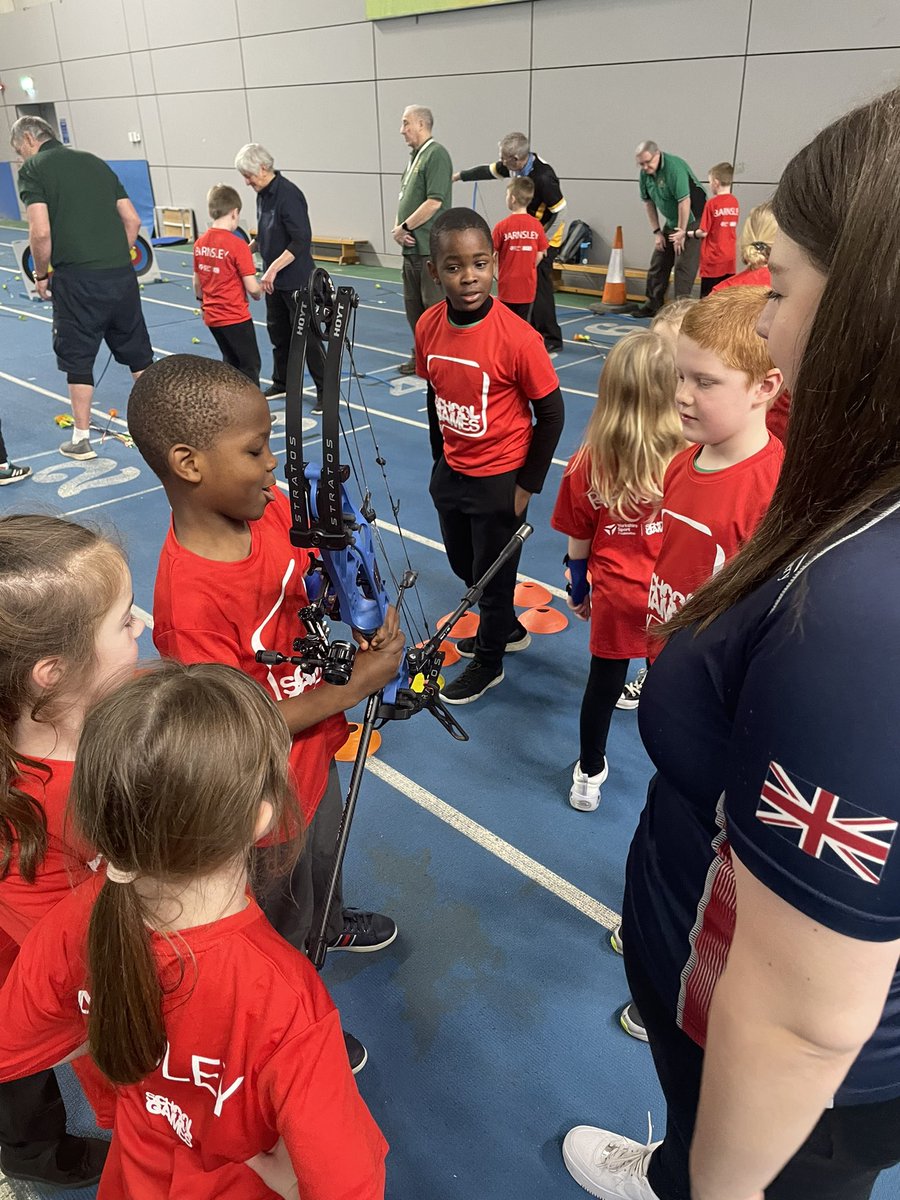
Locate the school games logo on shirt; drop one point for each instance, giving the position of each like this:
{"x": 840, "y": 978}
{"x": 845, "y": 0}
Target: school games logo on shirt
{"x": 825, "y": 825}
{"x": 162, "y": 1106}
{"x": 467, "y": 420}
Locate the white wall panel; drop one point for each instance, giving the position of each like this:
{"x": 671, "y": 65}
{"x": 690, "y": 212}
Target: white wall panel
{"x": 143, "y": 73}
{"x": 805, "y": 25}
{"x": 203, "y": 129}
{"x": 568, "y": 32}
{"x": 47, "y": 77}
{"x": 205, "y": 68}
{"x": 89, "y": 28}
{"x": 27, "y": 35}
{"x": 309, "y": 56}
{"x": 93, "y": 78}
{"x": 102, "y": 126}
{"x": 632, "y": 113}
{"x": 455, "y": 42}
{"x": 276, "y": 16}
{"x": 152, "y": 146}
{"x": 176, "y": 23}
{"x": 282, "y": 119}
{"x": 829, "y": 83}
{"x": 350, "y": 209}
{"x": 136, "y": 24}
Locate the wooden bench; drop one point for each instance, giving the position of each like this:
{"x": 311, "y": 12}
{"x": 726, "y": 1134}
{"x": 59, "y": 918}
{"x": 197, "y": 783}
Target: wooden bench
{"x": 336, "y": 249}
{"x": 588, "y": 270}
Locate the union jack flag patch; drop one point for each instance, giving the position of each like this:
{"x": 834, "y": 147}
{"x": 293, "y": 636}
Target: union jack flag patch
{"x": 826, "y": 826}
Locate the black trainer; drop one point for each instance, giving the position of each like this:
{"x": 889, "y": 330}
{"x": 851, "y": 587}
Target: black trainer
{"x": 75, "y": 1162}
{"x": 472, "y": 684}
{"x": 356, "y": 1052}
{"x": 519, "y": 639}
{"x": 364, "y": 932}
{"x": 275, "y": 391}
{"x": 407, "y": 368}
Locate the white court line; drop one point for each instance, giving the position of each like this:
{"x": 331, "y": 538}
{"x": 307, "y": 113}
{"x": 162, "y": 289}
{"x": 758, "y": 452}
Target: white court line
{"x": 71, "y": 512}
{"x": 495, "y": 845}
{"x": 578, "y": 362}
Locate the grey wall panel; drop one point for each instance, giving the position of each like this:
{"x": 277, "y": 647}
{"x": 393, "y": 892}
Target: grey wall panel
{"x": 309, "y": 56}
{"x": 174, "y": 23}
{"x": 136, "y": 24}
{"x": 825, "y": 85}
{"x": 186, "y": 187}
{"x": 102, "y": 126}
{"x": 811, "y": 25}
{"x": 143, "y": 73}
{"x": 152, "y": 146}
{"x": 205, "y": 68}
{"x": 159, "y": 181}
{"x": 462, "y": 122}
{"x": 351, "y": 209}
{"x": 93, "y": 78}
{"x": 203, "y": 129}
{"x": 27, "y": 35}
{"x": 495, "y": 38}
{"x": 605, "y": 148}
{"x": 47, "y": 77}
{"x": 275, "y": 16}
{"x": 88, "y": 28}
{"x": 583, "y": 31}
{"x": 284, "y": 120}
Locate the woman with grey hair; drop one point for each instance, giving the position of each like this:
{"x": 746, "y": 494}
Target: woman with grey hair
{"x": 284, "y": 239}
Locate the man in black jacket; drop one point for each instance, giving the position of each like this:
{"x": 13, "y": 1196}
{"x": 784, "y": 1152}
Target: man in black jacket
{"x": 517, "y": 158}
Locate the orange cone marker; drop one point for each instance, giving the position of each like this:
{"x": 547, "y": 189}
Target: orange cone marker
{"x": 466, "y": 626}
{"x": 614, "y": 288}
{"x": 543, "y": 620}
{"x": 347, "y": 752}
{"x": 530, "y": 595}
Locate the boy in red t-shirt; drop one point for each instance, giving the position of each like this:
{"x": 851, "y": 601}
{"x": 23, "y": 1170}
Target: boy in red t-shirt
{"x": 224, "y": 276}
{"x": 521, "y": 244}
{"x": 230, "y": 583}
{"x": 718, "y": 229}
{"x": 487, "y": 372}
{"x": 717, "y": 491}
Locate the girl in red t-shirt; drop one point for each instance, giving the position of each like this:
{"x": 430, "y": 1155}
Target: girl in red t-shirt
{"x": 227, "y": 1052}
{"x": 67, "y": 635}
{"x": 608, "y": 504}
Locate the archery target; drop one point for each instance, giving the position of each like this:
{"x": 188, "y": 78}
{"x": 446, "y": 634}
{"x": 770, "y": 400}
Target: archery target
{"x": 25, "y": 264}
{"x": 143, "y": 259}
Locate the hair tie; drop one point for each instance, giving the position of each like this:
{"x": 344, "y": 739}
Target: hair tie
{"x": 114, "y": 875}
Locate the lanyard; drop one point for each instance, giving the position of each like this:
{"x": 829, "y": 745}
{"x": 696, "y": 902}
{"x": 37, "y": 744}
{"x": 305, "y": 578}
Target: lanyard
{"x": 412, "y": 163}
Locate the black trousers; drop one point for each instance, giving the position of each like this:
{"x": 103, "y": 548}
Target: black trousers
{"x": 840, "y": 1160}
{"x": 478, "y": 518}
{"x": 32, "y": 1121}
{"x": 239, "y": 347}
{"x": 708, "y": 282}
{"x": 294, "y": 903}
{"x": 420, "y": 291}
{"x": 543, "y": 313}
{"x": 604, "y": 686}
{"x": 661, "y": 264}
{"x": 521, "y": 310}
{"x": 280, "y": 324}
{"x": 4, "y": 457}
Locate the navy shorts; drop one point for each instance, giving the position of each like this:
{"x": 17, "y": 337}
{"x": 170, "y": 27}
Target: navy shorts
{"x": 94, "y": 306}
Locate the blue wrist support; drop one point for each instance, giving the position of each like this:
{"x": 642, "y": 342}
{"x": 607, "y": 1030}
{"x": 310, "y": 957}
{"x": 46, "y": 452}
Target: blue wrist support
{"x": 579, "y": 587}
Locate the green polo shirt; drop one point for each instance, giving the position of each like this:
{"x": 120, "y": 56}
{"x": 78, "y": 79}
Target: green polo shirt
{"x": 671, "y": 183}
{"x": 80, "y": 192}
{"x": 429, "y": 176}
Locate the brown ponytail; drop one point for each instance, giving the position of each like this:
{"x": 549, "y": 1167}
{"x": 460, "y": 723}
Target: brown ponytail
{"x": 170, "y": 774}
{"x": 57, "y": 582}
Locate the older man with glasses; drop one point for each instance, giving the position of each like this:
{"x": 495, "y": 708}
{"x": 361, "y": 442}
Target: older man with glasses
{"x": 674, "y": 202}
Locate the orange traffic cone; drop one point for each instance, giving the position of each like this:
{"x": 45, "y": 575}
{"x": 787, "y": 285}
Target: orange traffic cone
{"x": 614, "y": 288}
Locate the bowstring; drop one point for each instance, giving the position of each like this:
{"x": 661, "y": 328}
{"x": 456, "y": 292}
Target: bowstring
{"x": 419, "y": 632}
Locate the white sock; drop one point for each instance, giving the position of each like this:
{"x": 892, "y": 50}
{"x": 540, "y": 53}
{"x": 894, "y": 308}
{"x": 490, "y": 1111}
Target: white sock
{"x": 81, "y": 435}
{"x": 4, "y": 466}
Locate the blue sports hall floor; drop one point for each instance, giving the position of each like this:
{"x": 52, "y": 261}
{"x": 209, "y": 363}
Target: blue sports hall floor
{"x": 491, "y": 1022}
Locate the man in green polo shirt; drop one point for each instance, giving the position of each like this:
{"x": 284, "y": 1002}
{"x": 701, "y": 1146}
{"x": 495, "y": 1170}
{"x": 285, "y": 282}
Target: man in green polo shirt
{"x": 674, "y": 202}
{"x": 425, "y": 191}
{"x": 80, "y": 218}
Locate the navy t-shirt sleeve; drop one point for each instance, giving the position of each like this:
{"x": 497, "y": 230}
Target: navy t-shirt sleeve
{"x": 812, "y": 795}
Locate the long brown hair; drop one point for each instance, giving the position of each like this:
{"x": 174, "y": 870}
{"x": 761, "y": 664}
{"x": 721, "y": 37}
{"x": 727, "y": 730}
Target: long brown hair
{"x": 57, "y": 582}
{"x": 843, "y": 445}
{"x": 634, "y": 429}
{"x": 169, "y": 777}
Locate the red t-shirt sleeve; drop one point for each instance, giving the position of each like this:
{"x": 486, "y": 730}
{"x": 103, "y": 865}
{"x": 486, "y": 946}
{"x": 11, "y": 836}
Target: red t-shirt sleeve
{"x": 573, "y": 514}
{"x": 535, "y": 373}
{"x": 497, "y": 237}
{"x": 244, "y": 259}
{"x": 309, "y": 1095}
{"x": 542, "y": 243}
{"x": 707, "y": 219}
{"x": 198, "y": 646}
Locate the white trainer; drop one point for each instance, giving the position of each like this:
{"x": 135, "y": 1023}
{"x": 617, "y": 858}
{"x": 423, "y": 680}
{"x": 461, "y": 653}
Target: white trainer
{"x": 608, "y": 1165}
{"x": 615, "y": 940}
{"x": 584, "y": 794}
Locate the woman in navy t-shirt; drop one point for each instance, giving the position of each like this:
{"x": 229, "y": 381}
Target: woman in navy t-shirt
{"x": 762, "y": 908}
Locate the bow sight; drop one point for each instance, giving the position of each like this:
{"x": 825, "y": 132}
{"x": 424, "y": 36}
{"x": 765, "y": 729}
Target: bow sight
{"x": 345, "y": 582}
